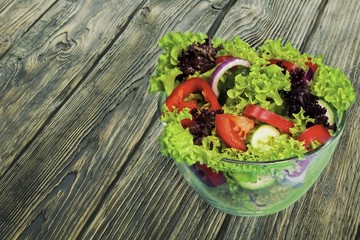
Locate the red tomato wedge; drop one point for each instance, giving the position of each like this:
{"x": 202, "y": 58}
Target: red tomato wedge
{"x": 233, "y": 130}
{"x": 265, "y": 116}
{"x": 316, "y": 132}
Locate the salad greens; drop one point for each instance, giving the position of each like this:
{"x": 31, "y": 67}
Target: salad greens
{"x": 263, "y": 84}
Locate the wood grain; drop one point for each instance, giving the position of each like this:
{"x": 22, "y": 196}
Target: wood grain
{"x": 249, "y": 227}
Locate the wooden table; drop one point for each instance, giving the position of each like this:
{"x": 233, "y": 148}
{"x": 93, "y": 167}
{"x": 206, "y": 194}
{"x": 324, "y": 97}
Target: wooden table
{"x": 79, "y": 157}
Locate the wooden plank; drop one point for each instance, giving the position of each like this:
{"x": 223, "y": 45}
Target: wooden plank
{"x": 13, "y": 26}
{"x": 252, "y": 228}
{"x": 94, "y": 187}
{"x": 323, "y": 29}
{"x": 255, "y": 21}
{"x": 65, "y": 36}
{"x": 82, "y": 151}
{"x": 44, "y": 67}
{"x": 157, "y": 216}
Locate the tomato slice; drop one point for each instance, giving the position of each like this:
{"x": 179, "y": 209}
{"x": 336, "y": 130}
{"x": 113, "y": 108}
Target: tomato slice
{"x": 283, "y": 63}
{"x": 233, "y": 130}
{"x": 316, "y": 132}
{"x": 265, "y": 116}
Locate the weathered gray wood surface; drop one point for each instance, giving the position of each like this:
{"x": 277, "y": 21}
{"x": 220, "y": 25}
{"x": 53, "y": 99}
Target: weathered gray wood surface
{"x": 79, "y": 156}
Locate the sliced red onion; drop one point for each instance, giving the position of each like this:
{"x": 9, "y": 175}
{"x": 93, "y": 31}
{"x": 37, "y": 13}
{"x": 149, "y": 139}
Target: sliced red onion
{"x": 308, "y": 75}
{"x": 207, "y": 175}
{"x": 222, "y": 68}
{"x": 303, "y": 166}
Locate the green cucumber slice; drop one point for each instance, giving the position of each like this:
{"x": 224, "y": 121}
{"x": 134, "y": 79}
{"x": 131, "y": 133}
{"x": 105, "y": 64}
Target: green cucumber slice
{"x": 263, "y": 134}
{"x": 246, "y": 181}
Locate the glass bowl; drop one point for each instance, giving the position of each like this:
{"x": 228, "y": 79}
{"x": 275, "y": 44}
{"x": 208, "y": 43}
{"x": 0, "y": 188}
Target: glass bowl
{"x": 274, "y": 186}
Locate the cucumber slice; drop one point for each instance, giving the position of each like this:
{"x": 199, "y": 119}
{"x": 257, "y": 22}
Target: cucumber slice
{"x": 263, "y": 134}
{"x": 329, "y": 112}
{"x": 246, "y": 181}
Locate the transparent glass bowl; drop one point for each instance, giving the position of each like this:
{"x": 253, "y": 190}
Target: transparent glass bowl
{"x": 280, "y": 184}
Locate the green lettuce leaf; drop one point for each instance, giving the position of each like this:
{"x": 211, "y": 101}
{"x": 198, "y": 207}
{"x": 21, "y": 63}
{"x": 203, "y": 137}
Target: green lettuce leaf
{"x": 263, "y": 85}
{"x": 174, "y": 116}
{"x": 279, "y": 147}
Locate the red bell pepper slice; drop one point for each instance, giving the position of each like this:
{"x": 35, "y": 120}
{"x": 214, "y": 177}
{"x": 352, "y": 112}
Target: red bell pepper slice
{"x": 289, "y": 66}
{"x": 178, "y": 95}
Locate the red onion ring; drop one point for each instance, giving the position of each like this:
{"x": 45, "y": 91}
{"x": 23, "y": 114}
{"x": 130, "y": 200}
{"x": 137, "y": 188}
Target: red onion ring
{"x": 222, "y": 68}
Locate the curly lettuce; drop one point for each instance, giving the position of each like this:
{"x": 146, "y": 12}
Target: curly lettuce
{"x": 279, "y": 147}
{"x": 328, "y": 83}
{"x": 274, "y": 49}
{"x": 300, "y": 121}
{"x": 263, "y": 86}
{"x": 237, "y": 48}
{"x": 167, "y": 69}
{"x": 334, "y": 87}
